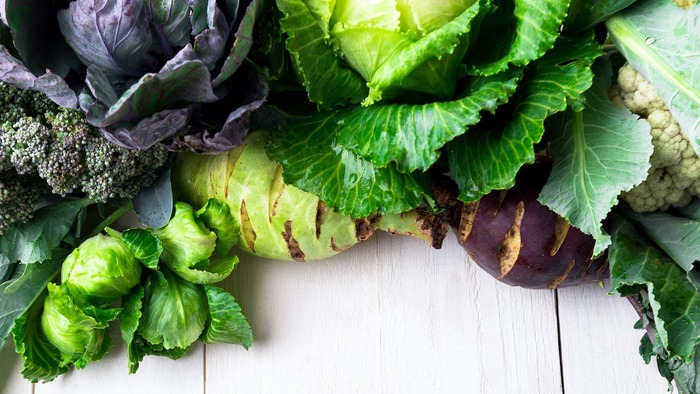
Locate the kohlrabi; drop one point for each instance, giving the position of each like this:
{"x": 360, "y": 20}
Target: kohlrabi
{"x": 279, "y": 221}
{"x": 521, "y": 242}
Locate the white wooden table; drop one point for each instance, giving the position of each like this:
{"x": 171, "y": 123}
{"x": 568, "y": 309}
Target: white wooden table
{"x": 390, "y": 315}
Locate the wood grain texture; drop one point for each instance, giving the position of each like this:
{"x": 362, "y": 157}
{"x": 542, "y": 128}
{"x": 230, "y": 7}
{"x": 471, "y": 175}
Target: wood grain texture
{"x": 10, "y": 366}
{"x": 110, "y": 375}
{"x": 600, "y": 345}
{"x": 390, "y": 315}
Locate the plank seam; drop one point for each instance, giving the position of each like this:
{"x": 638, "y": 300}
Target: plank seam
{"x": 559, "y": 341}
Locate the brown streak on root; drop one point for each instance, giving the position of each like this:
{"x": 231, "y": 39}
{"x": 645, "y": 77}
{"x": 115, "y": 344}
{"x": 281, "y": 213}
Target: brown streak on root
{"x": 247, "y": 229}
{"x": 561, "y": 278}
{"x": 434, "y": 225}
{"x": 335, "y": 246}
{"x": 320, "y": 217}
{"x": 292, "y": 244}
{"x": 561, "y": 228}
{"x": 466, "y": 222}
{"x": 509, "y": 249}
{"x": 363, "y": 229}
{"x": 584, "y": 274}
{"x": 602, "y": 269}
{"x": 275, "y": 193}
{"x": 501, "y": 197}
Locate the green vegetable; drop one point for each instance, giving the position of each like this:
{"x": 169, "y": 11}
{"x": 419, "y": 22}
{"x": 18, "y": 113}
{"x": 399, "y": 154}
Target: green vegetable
{"x": 42, "y": 360}
{"x": 589, "y": 170}
{"x": 664, "y": 54}
{"x": 100, "y": 271}
{"x": 196, "y": 245}
{"x": 141, "y": 67}
{"x": 276, "y": 220}
{"x": 79, "y": 334}
{"x": 174, "y": 311}
{"x": 46, "y": 150}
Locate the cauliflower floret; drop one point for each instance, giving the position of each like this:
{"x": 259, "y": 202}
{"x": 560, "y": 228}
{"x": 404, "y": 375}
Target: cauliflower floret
{"x": 674, "y": 176}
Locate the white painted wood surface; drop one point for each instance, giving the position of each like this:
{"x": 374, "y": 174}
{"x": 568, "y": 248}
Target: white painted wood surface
{"x": 393, "y": 316}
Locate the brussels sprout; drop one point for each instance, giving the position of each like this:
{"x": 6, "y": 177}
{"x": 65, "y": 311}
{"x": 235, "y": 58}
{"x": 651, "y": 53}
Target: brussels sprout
{"x": 79, "y": 334}
{"x": 276, "y": 220}
{"x": 100, "y": 271}
{"x": 174, "y": 311}
{"x": 196, "y": 244}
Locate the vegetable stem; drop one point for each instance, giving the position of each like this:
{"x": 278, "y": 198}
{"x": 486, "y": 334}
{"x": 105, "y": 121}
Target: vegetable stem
{"x": 113, "y": 217}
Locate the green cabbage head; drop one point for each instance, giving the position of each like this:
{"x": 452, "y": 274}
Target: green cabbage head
{"x": 391, "y": 46}
{"x": 100, "y": 271}
{"x": 80, "y": 334}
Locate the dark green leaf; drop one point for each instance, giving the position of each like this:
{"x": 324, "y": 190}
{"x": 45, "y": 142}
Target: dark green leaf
{"x": 679, "y": 237}
{"x": 42, "y": 361}
{"x": 327, "y": 82}
{"x": 584, "y": 14}
{"x": 242, "y": 44}
{"x": 692, "y": 210}
{"x": 313, "y": 161}
{"x": 673, "y": 298}
{"x": 185, "y": 82}
{"x": 36, "y": 239}
{"x": 154, "y": 204}
{"x": 488, "y": 157}
{"x": 227, "y": 323}
{"x": 411, "y": 135}
{"x": 170, "y": 19}
{"x": 37, "y": 38}
{"x": 537, "y": 27}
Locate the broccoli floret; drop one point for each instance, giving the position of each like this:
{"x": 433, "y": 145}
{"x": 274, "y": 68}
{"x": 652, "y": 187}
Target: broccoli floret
{"x": 114, "y": 171}
{"x": 45, "y": 148}
{"x": 63, "y": 166}
{"x": 18, "y": 194}
{"x": 26, "y": 143}
{"x": 17, "y": 103}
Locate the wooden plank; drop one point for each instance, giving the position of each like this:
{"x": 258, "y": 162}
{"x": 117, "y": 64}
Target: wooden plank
{"x": 315, "y": 327}
{"x": 389, "y": 315}
{"x": 11, "y": 380}
{"x": 600, "y": 345}
{"x": 448, "y": 327}
{"x": 110, "y": 375}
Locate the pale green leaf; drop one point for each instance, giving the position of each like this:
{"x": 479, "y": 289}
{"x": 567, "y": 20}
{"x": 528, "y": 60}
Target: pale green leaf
{"x": 598, "y": 152}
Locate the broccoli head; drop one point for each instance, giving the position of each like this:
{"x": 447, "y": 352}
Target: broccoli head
{"x": 18, "y": 195}
{"x": 48, "y": 149}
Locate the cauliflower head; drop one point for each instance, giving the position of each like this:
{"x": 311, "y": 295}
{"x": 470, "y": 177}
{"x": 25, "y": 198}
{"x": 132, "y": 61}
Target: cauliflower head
{"x": 674, "y": 176}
